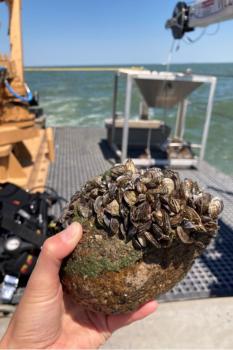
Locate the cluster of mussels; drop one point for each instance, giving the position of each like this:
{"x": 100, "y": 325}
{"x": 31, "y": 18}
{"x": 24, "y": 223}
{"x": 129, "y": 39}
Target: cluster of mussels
{"x": 150, "y": 207}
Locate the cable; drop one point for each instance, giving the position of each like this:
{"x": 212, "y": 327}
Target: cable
{"x": 190, "y": 41}
{"x": 47, "y": 188}
{"x": 215, "y": 32}
{"x": 57, "y": 198}
{"x": 170, "y": 53}
{"x": 203, "y": 32}
{"x": 26, "y": 98}
{"x": 176, "y": 18}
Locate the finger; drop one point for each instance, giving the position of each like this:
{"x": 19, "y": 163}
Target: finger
{"x": 117, "y": 321}
{"x": 56, "y": 248}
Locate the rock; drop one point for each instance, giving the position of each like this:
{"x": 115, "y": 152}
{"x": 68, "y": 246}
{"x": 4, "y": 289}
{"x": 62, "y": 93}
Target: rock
{"x": 140, "y": 237}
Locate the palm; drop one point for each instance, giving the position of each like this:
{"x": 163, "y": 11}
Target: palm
{"x": 82, "y": 328}
{"x": 47, "y": 318}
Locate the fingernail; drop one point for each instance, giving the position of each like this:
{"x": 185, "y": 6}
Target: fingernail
{"x": 70, "y": 232}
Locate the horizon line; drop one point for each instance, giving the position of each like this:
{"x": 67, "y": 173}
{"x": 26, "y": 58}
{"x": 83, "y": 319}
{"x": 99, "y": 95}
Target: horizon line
{"x": 119, "y": 64}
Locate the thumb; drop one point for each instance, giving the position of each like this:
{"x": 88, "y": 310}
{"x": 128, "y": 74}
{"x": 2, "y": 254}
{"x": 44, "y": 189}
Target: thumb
{"x": 45, "y": 276}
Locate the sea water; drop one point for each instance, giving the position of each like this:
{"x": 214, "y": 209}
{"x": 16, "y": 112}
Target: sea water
{"x": 75, "y": 98}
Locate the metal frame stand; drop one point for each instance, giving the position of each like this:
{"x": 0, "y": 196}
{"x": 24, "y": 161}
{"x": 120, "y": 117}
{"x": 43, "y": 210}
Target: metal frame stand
{"x": 125, "y": 136}
{"x": 180, "y": 122}
{"x": 205, "y": 134}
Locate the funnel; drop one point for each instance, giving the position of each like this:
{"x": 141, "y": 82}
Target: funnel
{"x": 164, "y": 92}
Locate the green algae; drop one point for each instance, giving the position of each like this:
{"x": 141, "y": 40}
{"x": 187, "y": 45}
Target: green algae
{"x": 93, "y": 257}
{"x": 93, "y": 265}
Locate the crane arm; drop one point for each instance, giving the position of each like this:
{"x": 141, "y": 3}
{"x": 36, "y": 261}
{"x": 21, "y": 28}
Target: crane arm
{"x": 202, "y": 13}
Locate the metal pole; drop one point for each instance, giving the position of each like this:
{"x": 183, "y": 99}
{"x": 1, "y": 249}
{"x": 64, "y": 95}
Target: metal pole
{"x": 148, "y": 149}
{"x": 114, "y": 106}
{"x": 208, "y": 118}
{"x": 16, "y": 37}
{"x": 143, "y": 110}
{"x": 180, "y": 122}
{"x": 126, "y": 118}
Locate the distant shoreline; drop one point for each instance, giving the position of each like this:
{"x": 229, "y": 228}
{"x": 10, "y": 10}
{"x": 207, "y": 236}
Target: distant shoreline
{"x": 112, "y": 67}
{"x": 77, "y": 69}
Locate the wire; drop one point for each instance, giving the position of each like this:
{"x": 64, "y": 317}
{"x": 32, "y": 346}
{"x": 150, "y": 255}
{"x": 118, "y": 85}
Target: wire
{"x": 214, "y": 32}
{"x": 50, "y": 189}
{"x": 58, "y": 198}
{"x": 170, "y": 54}
{"x": 188, "y": 40}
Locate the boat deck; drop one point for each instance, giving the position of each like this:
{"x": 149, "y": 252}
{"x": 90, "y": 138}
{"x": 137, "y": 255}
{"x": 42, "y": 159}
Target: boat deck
{"x": 82, "y": 153}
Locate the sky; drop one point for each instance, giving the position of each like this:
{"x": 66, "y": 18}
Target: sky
{"x": 98, "y": 32}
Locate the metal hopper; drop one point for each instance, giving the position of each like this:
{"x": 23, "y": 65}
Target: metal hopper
{"x": 165, "y": 90}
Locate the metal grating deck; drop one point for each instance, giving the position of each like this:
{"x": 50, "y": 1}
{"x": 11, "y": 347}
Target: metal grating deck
{"x": 82, "y": 153}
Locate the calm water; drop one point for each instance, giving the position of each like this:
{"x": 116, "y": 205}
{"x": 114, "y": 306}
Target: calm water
{"x": 85, "y": 99}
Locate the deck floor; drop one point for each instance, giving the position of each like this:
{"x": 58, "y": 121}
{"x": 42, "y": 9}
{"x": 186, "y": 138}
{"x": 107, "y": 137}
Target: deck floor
{"x": 82, "y": 153}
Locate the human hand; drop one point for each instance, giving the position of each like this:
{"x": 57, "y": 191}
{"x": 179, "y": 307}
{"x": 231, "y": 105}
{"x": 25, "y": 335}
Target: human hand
{"x": 47, "y": 318}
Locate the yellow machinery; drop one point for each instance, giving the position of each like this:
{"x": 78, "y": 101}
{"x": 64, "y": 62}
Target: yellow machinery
{"x": 25, "y": 146}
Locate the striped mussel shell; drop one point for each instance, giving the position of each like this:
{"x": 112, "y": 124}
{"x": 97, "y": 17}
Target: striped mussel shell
{"x": 152, "y": 207}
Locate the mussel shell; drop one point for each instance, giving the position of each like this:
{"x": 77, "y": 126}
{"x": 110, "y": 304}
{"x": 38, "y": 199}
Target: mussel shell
{"x": 215, "y": 207}
{"x": 98, "y": 204}
{"x": 113, "y": 208}
{"x": 184, "y": 235}
{"x": 84, "y": 208}
{"x": 169, "y": 184}
{"x": 130, "y": 198}
{"x": 139, "y": 242}
{"x": 117, "y": 170}
{"x": 130, "y": 167}
{"x": 141, "y": 213}
{"x": 114, "y": 226}
{"x": 128, "y": 203}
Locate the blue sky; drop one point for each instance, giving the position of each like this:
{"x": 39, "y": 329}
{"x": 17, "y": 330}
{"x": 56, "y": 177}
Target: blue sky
{"x": 77, "y": 32}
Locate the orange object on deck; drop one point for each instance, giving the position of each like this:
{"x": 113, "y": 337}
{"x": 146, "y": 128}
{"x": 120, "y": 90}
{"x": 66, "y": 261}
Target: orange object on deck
{"x": 26, "y": 148}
